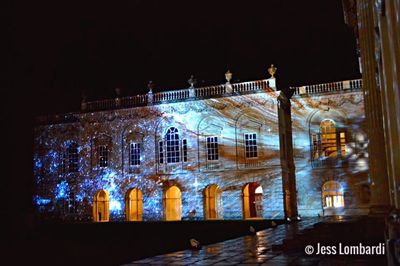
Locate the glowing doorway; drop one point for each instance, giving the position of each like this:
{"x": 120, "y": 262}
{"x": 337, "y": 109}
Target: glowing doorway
{"x": 252, "y": 200}
{"x": 134, "y": 205}
{"x": 212, "y": 202}
{"x": 172, "y": 204}
{"x": 101, "y": 209}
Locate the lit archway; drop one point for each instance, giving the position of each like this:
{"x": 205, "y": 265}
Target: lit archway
{"x": 172, "y": 204}
{"x": 252, "y": 200}
{"x": 101, "y": 209}
{"x": 330, "y": 141}
{"x": 134, "y": 205}
{"x": 212, "y": 202}
{"x": 332, "y": 195}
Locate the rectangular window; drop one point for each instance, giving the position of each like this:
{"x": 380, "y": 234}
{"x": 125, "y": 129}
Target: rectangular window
{"x": 134, "y": 154}
{"x": 184, "y": 150}
{"x": 250, "y": 141}
{"x": 161, "y": 152}
{"x": 72, "y": 204}
{"x": 73, "y": 158}
{"x": 103, "y": 155}
{"x": 172, "y": 148}
{"x": 64, "y": 167}
{"x": 212, "y": 148}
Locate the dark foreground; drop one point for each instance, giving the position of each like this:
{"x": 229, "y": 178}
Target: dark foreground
{"x": 286, "y": 245}
{"x": 117, "y": 243}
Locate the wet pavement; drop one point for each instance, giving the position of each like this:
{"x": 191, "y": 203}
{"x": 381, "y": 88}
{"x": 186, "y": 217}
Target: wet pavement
{"x": 256, "y": 250}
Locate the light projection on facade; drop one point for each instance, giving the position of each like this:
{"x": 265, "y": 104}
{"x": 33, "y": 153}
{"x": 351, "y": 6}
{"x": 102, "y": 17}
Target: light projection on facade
{"x": 202, "y": 153}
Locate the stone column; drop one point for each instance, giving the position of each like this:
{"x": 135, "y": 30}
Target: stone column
{"x": 286, "y": 155}
{"x": 388, "y": 23}
{"x": 373, "y": 109}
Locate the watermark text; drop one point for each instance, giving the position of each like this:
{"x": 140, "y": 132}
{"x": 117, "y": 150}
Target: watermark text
{"x": 342, "y": 249}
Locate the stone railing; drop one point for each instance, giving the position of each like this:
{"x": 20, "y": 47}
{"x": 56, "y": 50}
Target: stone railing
{"x": 346, "y": 85}
{"x": 176, "y": 95}
{"x": 171, "y": 96}
{"x": 196, "y": 94}
{"x": 160, "y": 98}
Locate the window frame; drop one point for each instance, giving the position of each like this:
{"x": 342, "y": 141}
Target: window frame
{"x": 172, "y": 146}
{"x": 161, "y": 152}
{"x": 70, "y": 159}
{"x": 212, "y": 148}
{"x": 184, "y": 150}
{"x": 73, "y": 158}
{"x": 134, "y": 154}
{"x": 250, "y": 148}
{"x": 103, "y": 154}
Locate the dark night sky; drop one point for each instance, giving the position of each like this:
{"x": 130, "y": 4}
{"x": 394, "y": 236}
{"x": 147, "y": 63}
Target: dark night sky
{"x": 62, "y": 50}
{"x": 57, "y": 50}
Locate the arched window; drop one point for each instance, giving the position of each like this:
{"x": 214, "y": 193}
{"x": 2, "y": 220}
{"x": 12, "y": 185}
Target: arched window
{"x": 172, "y": 149}
{"x": 212, "y": 202}
{"x": 332, "y": 195}
{"x": 101, "y": 208}
{"x": 252, "y": 200}
{"x": 172, "y": 145}
{"x": 134, "y": 205}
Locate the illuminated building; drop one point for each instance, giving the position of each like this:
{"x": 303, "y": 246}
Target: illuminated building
{"x": 218, "y": 152}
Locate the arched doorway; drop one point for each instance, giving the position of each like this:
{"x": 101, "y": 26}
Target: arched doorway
{"x": 332, "y": 195}
{"x": 252, "y": 200}
{"x": 133, "y": 205}
{"x": 101, "y": 209}
{"x": 212, "y": 202}
{"x": 172, "y": 204}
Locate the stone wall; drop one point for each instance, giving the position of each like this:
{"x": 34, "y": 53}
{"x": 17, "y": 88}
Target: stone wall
{"x": 70, "y": 195}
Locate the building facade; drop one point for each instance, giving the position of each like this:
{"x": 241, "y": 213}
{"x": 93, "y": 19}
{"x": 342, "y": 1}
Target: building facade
{"x": 205, "y": 153}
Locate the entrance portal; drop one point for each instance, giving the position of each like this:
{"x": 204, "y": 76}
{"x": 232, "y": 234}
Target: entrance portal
{"x": 134, "y": 205}
{"x": 212, "y": 202}
{"x": 252, "y": 200}
{"x": 172, "y": 204}
{"x": 101, "y": 209}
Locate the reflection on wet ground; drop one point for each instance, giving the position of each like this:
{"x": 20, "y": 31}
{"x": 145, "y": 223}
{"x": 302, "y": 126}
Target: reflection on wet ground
{"x": 254, "y": 250}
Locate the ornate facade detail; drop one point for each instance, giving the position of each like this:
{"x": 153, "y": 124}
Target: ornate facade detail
{"x": 175, "y": 152}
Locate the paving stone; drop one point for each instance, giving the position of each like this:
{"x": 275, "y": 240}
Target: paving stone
{"x": 256, "y": 250}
